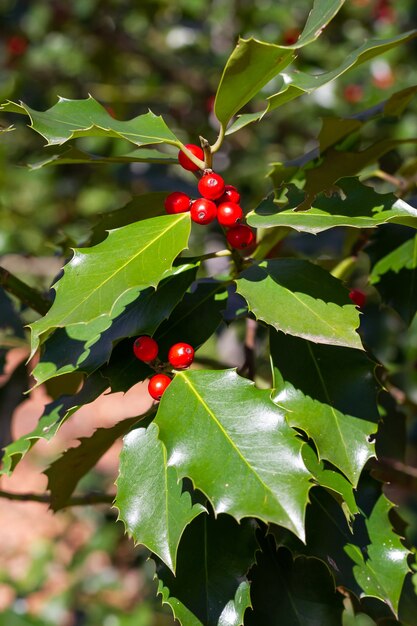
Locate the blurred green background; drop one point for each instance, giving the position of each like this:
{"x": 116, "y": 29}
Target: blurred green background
{"x": 168, "y": 56}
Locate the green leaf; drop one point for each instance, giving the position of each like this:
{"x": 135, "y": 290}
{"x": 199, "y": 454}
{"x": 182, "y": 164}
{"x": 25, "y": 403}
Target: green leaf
{"x": 54, "y": 415}
{"x": 298, "y": 83}
{"x": 382, "y": 572}
{"x": 292, "y": 592}
{"x": 99, "y": 282}
{"x": 341, "y": 439}
{"x": 65, "y": 473}
{"x": 352, "y": 205}
{"x": 233, "y": 442}
{"x": 403, "y": 257}
{"x": 210, "y": 587}
{"x": 74, "y": 156}
{"x": 254, "y": 63}
{"x": 149, "y": 498}
{"x": 301, "y": 299}
{"x": 69, "y": 119}
{"x": 62, "y": 354}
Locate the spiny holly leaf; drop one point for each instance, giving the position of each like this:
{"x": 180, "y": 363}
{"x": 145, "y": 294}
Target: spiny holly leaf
{"x": 359, "y": 619}
{"x": 210, "y": 587}
{"x": 301, "y": 299}
{"x": 292, "y": 592}
{"x": 341, "y": 439}
{"x": 352, "y": 204}
{"x": 62, "y": 354}
{"x": 382, "y": 572}
{"x": 149, "y": 498}
{"x": 235, "y": 445}
{"x": 53, "y": 416}
{"x": 403, "y": 257}
{"x": 342, "y": 378}
{"x": 69, "y": 119}
{"x": 65, "y": 473}
{"x": 298, "y": 83}
{"x": 74, "y": 156}
{"x": 254, "y": 63}
{"x": 99, "y": 282}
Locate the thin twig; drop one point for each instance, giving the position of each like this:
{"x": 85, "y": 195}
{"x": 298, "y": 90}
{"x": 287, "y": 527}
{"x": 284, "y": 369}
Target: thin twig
{"x": 45, "y": 498}
{"x": 23, "y": 292}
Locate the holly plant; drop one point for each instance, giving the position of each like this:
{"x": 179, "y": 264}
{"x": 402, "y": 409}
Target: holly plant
{"x": 257, "y": 483}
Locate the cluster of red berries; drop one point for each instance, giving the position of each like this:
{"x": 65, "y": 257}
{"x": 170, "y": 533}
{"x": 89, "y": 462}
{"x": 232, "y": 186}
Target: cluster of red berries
{"x": 180, "y": 356}
{"x": 218, "y": 200}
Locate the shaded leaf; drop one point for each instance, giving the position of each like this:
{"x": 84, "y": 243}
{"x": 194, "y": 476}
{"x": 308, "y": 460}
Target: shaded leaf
{"x": 403, "y": 257}
{"x": 235, "y": 445}
{"x": 74, "y": 156}
{"x": 149, "y": 498}
{"x": 292, "y": 592}
{"x": 69, "y": 119}
{"x": 65, "y": 473}
{"x": 211, "y": 588}
{"x": 99, "y": 282}
{"x": 11, "y": 395}
{"x": 301, "y": 299}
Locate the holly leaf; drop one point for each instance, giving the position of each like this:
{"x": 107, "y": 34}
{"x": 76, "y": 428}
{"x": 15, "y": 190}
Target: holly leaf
{"x": 351, "y": 204}
{"x": 149, "y": 498}
{"x": 307, "y": 593}
{"x": 403, "y": 257}
{"x": 301, "y": 299}
{"x": 382, "y": 571}
{"x": 63, "y": 354}
{"x": 69, "y": 119}
{"x": 65, "y": 473}
{"x": 254, "y": 63}
{"x": 211, "y": 588}
{"x": 74, "y": 156}
{"x": 99, "y": 282}
{"x": 220, "y": 416}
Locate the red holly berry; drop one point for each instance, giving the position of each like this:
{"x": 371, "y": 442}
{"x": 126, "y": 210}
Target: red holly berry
{"x": 185, "y": 162}
{"x": 157, "y": 385}
{"x": 291, "y": 36}
{"x": 230, "y": 194}
{"x": 145, "y": 348}
{"x": 203, "y": 211}
{"x": 211, "y": 186}
{"x": 177, "y": 202}
{"x": 353, "y": 93}
{"x": 358, "y": 297}
{"x": 240, "y": 237}
{"x": 229, "y": 213}
{"x": 181, "y": 355}
{"x": 16, "y": 45}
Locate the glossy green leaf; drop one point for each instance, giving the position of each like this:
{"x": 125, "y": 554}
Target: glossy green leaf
{"x": 254, "y": 63}
{"x": 210, "y": 587}
{"x": 295, "y": 83}
{"x": 403, "y": 257}
{"x": 65, "y": 473}
{"x": 382, "y": 572}
{"x": 62, "y": 354}
{"x": 292, "y": 592}
{"x": 301, "y": 299}
{"x": 54, "y": 415}
{"x": 69, "y": 119}
{"x": 352, "y": 204}
{"x": 149, "y": 498}
{"x": 74, "y": 156}
{"x": 235, "y": 445}
{"x": 99, "y": 282}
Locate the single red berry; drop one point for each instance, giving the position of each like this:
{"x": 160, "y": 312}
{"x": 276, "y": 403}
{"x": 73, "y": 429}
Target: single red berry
{"x": 177, "y": 202}
{"x": 229, "y": 213}
{"x": 240, "y": 237}
{"x": 157, "y": 385}
{"x": 145, "y": 348}
{"x": 185, "y": 162}
{"x": 358, "y": 297}
{"x": 353, "y": 93}
{"x": 16, "y": 45}
{"x": 291, "y": 36}
{"x": 211, "y": 186}
{"x": 230, "y": 194}
{"x": 181, "y": 355}
{"x": 203, "y": 211}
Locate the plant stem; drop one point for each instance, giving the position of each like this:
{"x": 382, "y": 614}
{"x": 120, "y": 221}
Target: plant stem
{"x": 44, "y": 498}
{"x": 207, "y": 153}
{"x": 217, "y": 145}
{"x": 29, "y": 296}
